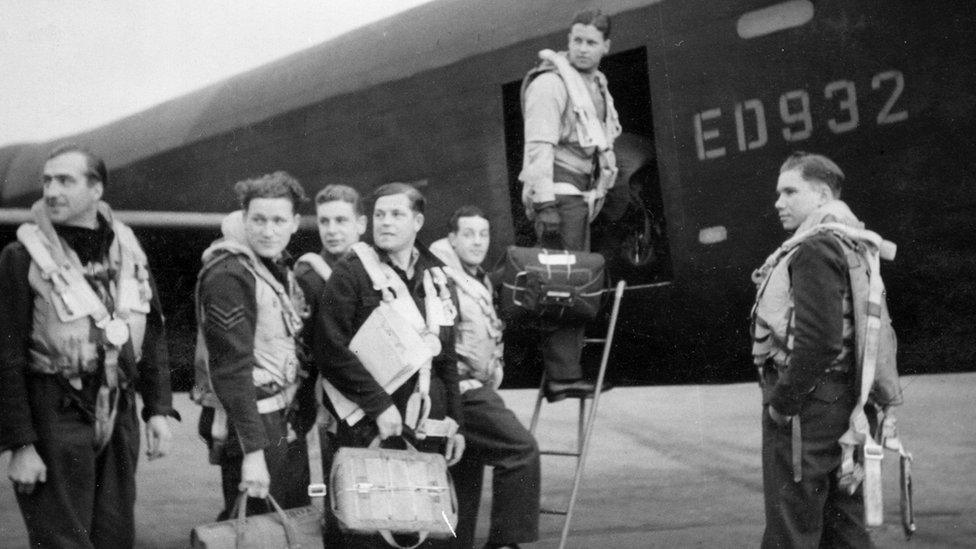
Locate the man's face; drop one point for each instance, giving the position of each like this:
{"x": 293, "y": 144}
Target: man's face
{"x": 339, "y": 226}
{"x": 586, "y": 47}
{"x": 798, "y": 198}
{"x": 395, "y": 224}
{"x": 470, "y": 241}
{"x": 269, "y": 224}
{"x": 69, "y": 196}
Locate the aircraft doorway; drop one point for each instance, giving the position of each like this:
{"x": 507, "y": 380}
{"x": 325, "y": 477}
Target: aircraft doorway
{"x": 631, "y": 230}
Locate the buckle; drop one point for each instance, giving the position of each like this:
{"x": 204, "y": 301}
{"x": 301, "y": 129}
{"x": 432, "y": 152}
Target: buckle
{"x": 317, "y": 490}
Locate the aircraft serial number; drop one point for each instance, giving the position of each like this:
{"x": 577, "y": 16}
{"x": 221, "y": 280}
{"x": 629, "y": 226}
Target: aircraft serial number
{"x": 752, "y": 131}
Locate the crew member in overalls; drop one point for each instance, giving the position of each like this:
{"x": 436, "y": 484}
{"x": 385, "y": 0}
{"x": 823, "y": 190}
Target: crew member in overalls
{"x": 568, "y": 166}
{"x": 413, "y": 274}
{"x": 249, "y": 310}
{"x": 80, "y": 331}
{"x": 494, "y": 436}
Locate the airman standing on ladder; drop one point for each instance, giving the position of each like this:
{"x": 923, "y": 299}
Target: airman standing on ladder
{"x": 495, "y": 437}
{"x": 568, "y": 166}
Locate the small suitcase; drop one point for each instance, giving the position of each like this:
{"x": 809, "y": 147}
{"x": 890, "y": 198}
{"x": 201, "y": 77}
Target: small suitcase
{"x": 382, "y": 491}
{"x": 555, "y": 285}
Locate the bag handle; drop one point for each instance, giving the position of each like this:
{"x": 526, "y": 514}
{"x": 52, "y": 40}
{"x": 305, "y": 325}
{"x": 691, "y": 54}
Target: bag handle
{"x": 388, "y": 538}
{"x": 378, "y": 443}
{"x": 240, "y": 507}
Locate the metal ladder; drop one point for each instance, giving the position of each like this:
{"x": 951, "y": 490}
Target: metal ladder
{"x": 584, "y": 424}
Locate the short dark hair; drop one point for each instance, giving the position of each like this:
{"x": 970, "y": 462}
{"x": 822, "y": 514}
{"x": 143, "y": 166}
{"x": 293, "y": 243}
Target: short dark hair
{"x": 95, "y": 169}
{"x": 465, "y": 211}
{"x": 816, "y": 167}
{"x": 417, "y": 200}
{"x": 273, "y": 185}
{"x": 340, "y": 193}
{"x": 593, "y": 17}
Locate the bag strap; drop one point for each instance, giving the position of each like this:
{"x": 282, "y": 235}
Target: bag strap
{"x": 240, "y": 507}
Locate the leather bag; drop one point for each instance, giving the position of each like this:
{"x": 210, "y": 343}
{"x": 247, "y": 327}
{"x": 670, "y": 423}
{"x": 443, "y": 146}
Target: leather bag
{"x": 296, "y": 528}
{"x": 556, "y": 285}
{"x": 385, "y": 491}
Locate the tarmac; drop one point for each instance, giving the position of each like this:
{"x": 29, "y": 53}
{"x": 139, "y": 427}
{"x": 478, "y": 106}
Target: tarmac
{"x": 669, "y": 466}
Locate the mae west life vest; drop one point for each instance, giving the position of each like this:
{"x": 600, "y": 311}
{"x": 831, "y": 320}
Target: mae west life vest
{"x": 478, "y": 334}
{"x": 73, "y": 332}
{"x": 278, "y": 323}
{"x": 877, "y": 384}
{"x": 594, "y": 136}
{"x": 66, "y": 309}
{"x": 396, "y": 341}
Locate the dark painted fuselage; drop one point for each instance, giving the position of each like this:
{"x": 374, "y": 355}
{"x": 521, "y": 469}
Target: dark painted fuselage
{"x": 887, "y": 89}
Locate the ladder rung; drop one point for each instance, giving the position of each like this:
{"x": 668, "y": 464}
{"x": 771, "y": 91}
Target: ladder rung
{"x": 553, "y": 512}
{"x": 595, "y": 340}
{"x": 559, "y": 453}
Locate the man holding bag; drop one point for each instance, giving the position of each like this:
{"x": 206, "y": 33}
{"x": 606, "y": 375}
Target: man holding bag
{"x": 426, "y": 406}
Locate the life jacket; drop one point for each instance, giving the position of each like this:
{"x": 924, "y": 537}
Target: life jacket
{"x": 876, "y": 345}
{"x": 772, "y": 313}
{"x": 594, "y": 136}
{"x": 409, "y": 339}
{"x": 278, "y": 323}
{"x": 478, "y": 334}
{"x": 73, "y": 332}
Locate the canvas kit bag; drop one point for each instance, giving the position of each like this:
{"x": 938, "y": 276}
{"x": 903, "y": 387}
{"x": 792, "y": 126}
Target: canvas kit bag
{"x": 292, "y": 529}
{"x": 556, "y": 285}
{"x": 383, "y": 491}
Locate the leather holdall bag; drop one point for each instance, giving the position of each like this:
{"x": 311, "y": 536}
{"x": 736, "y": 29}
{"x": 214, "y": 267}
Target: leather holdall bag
{"x": 555, "y": 285}
{"x": 298, "y": 528}
{"x": 384, "y": 491}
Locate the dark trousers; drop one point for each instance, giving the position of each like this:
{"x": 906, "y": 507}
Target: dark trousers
{"x": 88, "y": 498}
{"x": 562, "y": 345}
{"x": 496, "y": 438}
{"x": 813, "y": 512}
{"x": 287, "y": 466}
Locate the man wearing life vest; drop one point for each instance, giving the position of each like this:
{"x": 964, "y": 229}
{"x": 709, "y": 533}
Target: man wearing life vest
{"x": 81, "y": 330}
{"x": 341, "y": 222}
{"x": 424, "y": 405}
{"x": 804, "y": 345}
{"x": 494, "y": 436}
{"x": 249, "y": 311}
{"x": 568, "y": 166}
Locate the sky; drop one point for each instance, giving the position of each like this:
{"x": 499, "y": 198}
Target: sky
{"x": 72, "y": 65}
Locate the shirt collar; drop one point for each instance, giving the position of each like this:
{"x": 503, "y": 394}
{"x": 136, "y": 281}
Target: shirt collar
{"x": 411, "y": 265}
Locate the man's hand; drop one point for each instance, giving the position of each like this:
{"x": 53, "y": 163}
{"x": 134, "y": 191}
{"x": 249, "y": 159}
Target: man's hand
{"x": 26, "y": 469}
{"x": 390, "y": 423}
{"x": 547, "y": 221}
{"x": 254, "y": 475}
{"x": 159, "y": 438}
{"x": 454, "y": 449}
{"x": 778, "y": 418}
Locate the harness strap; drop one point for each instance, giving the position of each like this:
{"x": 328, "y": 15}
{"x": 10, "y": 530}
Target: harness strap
{"x": 317, "y": 263}
{"x": 589, "y": 131}
{"x": 796, "y": 446}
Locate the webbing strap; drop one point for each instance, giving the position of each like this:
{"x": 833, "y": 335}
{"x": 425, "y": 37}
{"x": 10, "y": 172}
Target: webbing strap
{"x": 796, "y": 445}
{"x": 591, "y": 134}
{"x": 317, "y": 263}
